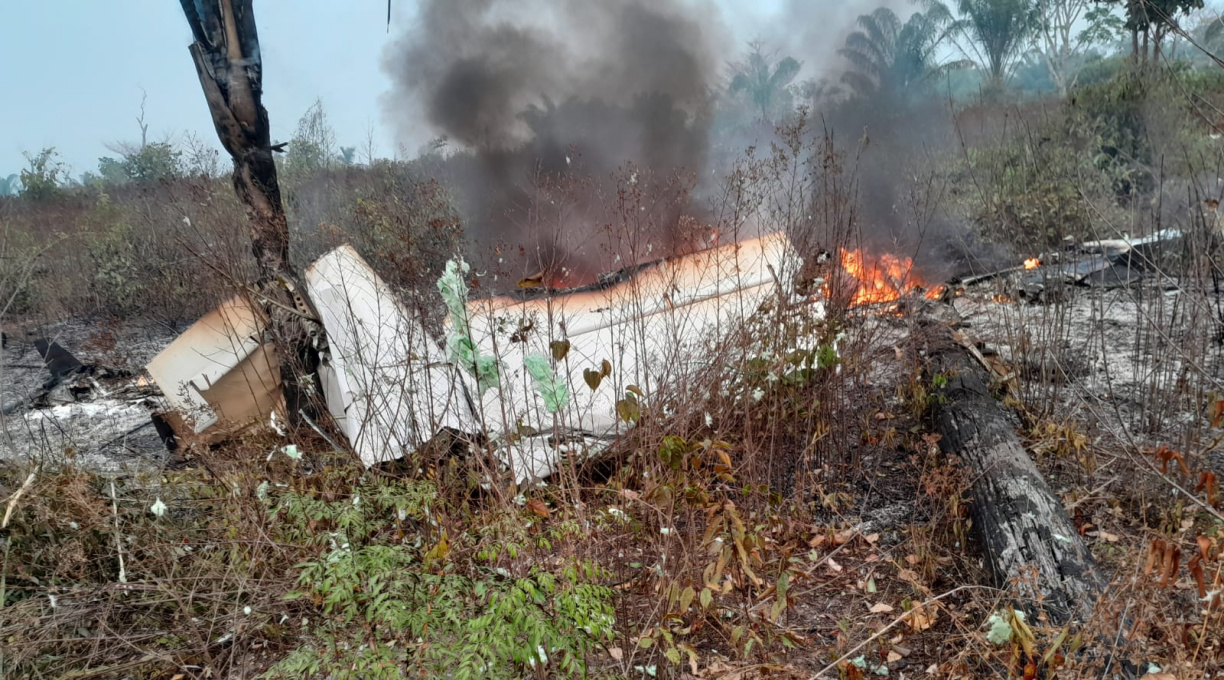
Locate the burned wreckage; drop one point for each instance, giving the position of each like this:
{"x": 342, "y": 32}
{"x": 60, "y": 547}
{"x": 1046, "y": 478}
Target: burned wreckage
{"x": 534, "y": 375}
{"x": 1107, "y": 263}
{"x": 537, "y": 377}
{"x": 553, "y": 376}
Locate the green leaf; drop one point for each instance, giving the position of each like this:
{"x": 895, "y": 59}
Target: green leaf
{"x": 646, "y": 642}
{"x": 673, "y": 656}
{"x": 628, "y": 411}
{"x": 671, "y": 451}
{"x": 826, "y": 357}
{"x": 706, "y": 598}
{"x": 1000, "y": 630}
{"x": 551, "y": 388}
{"x": 686, "y": 598}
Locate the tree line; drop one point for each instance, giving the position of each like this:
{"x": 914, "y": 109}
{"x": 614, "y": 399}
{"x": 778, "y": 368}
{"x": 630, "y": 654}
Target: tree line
{"x": 964, "y": 49}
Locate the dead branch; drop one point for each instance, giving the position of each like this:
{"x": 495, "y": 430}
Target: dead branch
{"x": 12, "y": 501}
{"x": 227, "y": 59}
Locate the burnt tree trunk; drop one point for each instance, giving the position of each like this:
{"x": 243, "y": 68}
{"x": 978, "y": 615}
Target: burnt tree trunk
{"x": 227, "y": 60}
{"x": 1027, "y": 536}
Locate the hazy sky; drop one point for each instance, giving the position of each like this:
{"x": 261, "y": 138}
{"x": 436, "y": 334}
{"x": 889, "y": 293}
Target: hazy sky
{"x": 75, "y": 71}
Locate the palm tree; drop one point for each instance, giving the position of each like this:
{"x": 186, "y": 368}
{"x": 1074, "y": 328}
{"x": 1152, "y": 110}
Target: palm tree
{"x": 895, "y": 60}
{"x": 765, "y": 83}
{"x": 995, "y": 32}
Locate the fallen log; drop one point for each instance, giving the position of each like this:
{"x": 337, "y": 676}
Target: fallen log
{"x": 1028, "y": 538}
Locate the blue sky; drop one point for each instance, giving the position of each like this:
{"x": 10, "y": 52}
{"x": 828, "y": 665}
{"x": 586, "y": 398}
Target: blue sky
{"x": 75, "y": 70}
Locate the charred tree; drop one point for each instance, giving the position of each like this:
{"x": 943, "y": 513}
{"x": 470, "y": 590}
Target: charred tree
{"x": 1028, "y": 538}
{"x": 227, "y": 59}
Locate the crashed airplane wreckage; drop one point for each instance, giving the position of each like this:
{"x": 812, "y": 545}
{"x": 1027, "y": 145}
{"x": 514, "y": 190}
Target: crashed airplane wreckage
{"x": 1105, "y": 264}
{"x": 538, "y": 378}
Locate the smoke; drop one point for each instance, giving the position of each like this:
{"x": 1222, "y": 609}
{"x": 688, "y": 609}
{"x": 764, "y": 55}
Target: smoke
{"x": 896, "y": 138}
{"x": 813, "y": 31}
{"x": 474, "y": 66}
{"x": 525, "y": 89}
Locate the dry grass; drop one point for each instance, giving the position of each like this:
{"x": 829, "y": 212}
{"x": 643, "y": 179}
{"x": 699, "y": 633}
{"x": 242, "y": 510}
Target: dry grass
{"x": 1117, "y": 391}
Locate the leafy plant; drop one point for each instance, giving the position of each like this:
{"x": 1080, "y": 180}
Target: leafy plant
{"x": 312, "y": 147}
{"x": 44, "y": 176}
{"x": 995, "y": 33}
{"x": 894, "y": 62}
{"x": 150, "y": 162}
{"x": 118, "y": 280}
{"x": 389, "y": 607}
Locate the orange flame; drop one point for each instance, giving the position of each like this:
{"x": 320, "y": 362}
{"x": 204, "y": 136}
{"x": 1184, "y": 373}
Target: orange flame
{"x": 1032, "y": 263}
{"x": 882, "y": 279}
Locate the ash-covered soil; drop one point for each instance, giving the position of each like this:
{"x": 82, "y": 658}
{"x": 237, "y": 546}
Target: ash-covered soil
{"x": 1136, "y": 368}
{"x": 100, "y": 418}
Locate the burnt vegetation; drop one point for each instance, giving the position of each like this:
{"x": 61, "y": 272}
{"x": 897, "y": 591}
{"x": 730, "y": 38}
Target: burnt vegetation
{"x": 1008, "y": 218}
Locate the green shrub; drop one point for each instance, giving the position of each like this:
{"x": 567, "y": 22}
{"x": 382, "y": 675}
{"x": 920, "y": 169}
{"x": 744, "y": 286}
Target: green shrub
{"x": 1061, "y": 169}
{"x": 118, "y": 282}
{"x": 18, "y": 266}
{"x": 390, "y": 607}
{"x": 1033, "y": 189}
{"x": 44, "y": 176}
{"x": 153, "y": 162}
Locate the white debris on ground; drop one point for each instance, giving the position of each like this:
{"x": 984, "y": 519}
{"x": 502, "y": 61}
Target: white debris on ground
{"x": 1138, "y": 363}
{"x": 540, "y": 380}
{"x": 650, "y": 330}
{"x": 100, "y": 422}
{"x": 101, "y": 435}
{"x": 386, "y": 382}
{"x": 221, "y": 369}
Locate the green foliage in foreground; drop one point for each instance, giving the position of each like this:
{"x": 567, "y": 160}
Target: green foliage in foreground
{"x": 354, "y": 575}
{"x": 389, "y": 606}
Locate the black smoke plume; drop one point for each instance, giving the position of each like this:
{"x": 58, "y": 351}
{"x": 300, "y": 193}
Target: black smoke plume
{"x": 526, "y": 91}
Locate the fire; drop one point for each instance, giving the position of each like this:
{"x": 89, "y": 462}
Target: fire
{"x": 1032, "y": 263}
{"x": 882, "y": 279}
